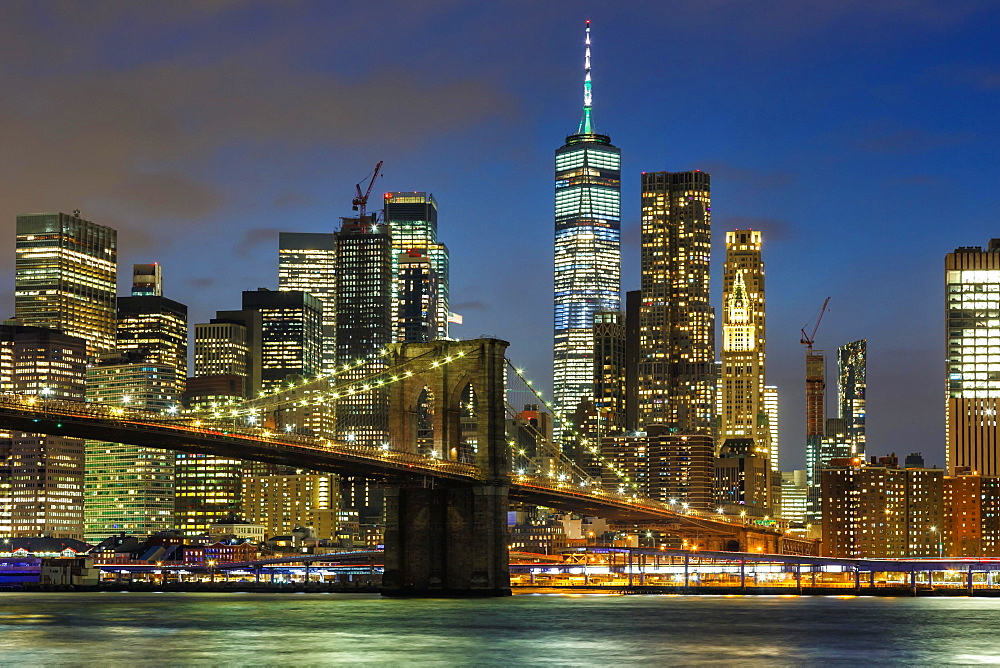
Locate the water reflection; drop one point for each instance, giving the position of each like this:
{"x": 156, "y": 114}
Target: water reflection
{"x": 549, "y": 629}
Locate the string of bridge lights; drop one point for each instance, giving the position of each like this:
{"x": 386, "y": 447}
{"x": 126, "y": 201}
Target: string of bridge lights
{"x": 358, "y": 387}
{"x": 568, "y": 426}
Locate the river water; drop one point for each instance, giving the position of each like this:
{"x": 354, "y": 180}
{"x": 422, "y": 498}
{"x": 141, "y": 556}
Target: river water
{"x": 179, "y": 629}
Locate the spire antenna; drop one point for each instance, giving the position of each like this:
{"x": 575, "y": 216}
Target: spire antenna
{"x": 586, "y": 127}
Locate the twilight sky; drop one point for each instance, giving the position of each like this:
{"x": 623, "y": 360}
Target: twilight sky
{"x": 860, "y": 136}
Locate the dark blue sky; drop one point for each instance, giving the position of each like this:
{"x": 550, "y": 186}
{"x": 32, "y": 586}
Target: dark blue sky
{"x": 859, "y": 136}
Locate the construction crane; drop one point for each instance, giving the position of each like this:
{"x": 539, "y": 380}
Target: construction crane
{"x": 808, "y": 339}
{"x": 360, "y": 203}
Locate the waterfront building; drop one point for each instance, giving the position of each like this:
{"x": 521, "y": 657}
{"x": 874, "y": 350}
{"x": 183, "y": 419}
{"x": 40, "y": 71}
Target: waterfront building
{"x": 129, "y": 488}
{"x": 587, "y": 259}
{"x": 971, "y": 516}
{"x": 283, "y": 503}
{"x": 65, "y": 274}
{"x": 41, "y": 477}
{"x": 972, "y": 334}
{"x": 307, "y": 262}
{"x": 677, "y": 373}
{"x": 412, "y": 218}
{"x": 877, "y": 509}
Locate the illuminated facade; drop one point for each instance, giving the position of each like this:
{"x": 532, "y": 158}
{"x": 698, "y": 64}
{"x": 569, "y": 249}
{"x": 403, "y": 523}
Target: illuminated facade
{"x": 587, "y": 251}
{"x": 677, "y": 374}
{"x": 671, "y": 468}
{"x": 881, "y": 510}
{"x": 282, "y": 503}
{"x": 416, "y": 311}
{"x": 65, "y": 277}
{"x": 851, "y": 368}
{"x": 129, "y": 488}
{"x": 771, "y": 410}
{"x": 307, "y": 262}
{"x": 230, "y": 345}
{"x": 609, "y": 375}
{"x": 744, "y": 413}
{"x": 364, "y": 322}
{"x": 291, "y": 342}
{"x": 413, "y": 223}
{"x": 41, "y": 477}
{"x": 972, "y": 331}
{"x": 158, "y": 326}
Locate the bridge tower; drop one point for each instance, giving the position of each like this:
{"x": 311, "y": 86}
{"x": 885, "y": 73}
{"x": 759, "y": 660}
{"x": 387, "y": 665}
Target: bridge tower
{"x": 449, "y": 539}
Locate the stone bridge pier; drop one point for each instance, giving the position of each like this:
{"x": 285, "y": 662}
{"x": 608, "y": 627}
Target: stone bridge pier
{"x": 449, "y": 539}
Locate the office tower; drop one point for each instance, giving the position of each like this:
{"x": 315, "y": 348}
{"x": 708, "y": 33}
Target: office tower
{"x": 364, "y": 322}
{"x": 230, "y": 344}
{"x": 609, "y": 375}
{"x": 65, "y": 277}
{"x": 129, "y": 488}
{"x": 147, "y": 280}
{"x": 291, "y": 340}
{"x": 41, "y": 477}
{"x": 815, "y": 413}
{"x": 972, "y": 331}
{"x": 742, "y": 476}
{"x": 307, "y": 262}
{"x": 881, "y": 510}
{"x": 677, "y": 386}
{"x": 416, "y": 311}
{"x": 587, "y": 250}
{"x": 154, "y": 329}
{"x": 744, "y": 414}
{"x": 412, "y": 218}
{"x": 633, "y": 306}
{"x": 794, "y": 495}
{"x": 771, "y": 410}
{"x": 851, "y": 362}
{"x": 283, "y": 503}
{"x": 672, "y": 468}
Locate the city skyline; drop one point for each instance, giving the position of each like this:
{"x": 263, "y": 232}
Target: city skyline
{"x": 783, "y": 155}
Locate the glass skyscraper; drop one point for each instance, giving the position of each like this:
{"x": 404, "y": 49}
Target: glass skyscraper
{"x": 972, "y": 334}
{"x": 587, "y": 250}
{"x": 412, "y": 218}
{"x": 65, "y": 277}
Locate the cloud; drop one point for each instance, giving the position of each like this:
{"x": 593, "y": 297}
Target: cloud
{"x": 255, "y": 237}
{"x": 469, "y": 306}
{"x": 200, "y": 283}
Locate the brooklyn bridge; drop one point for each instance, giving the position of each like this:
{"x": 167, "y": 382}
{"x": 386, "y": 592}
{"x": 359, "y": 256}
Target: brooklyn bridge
{"x": 446, "y": 503}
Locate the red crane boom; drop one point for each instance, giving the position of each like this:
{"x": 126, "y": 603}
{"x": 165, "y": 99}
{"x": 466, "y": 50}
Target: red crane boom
{"x": 809, "y": 339}
{"x": 360, "y": 203}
